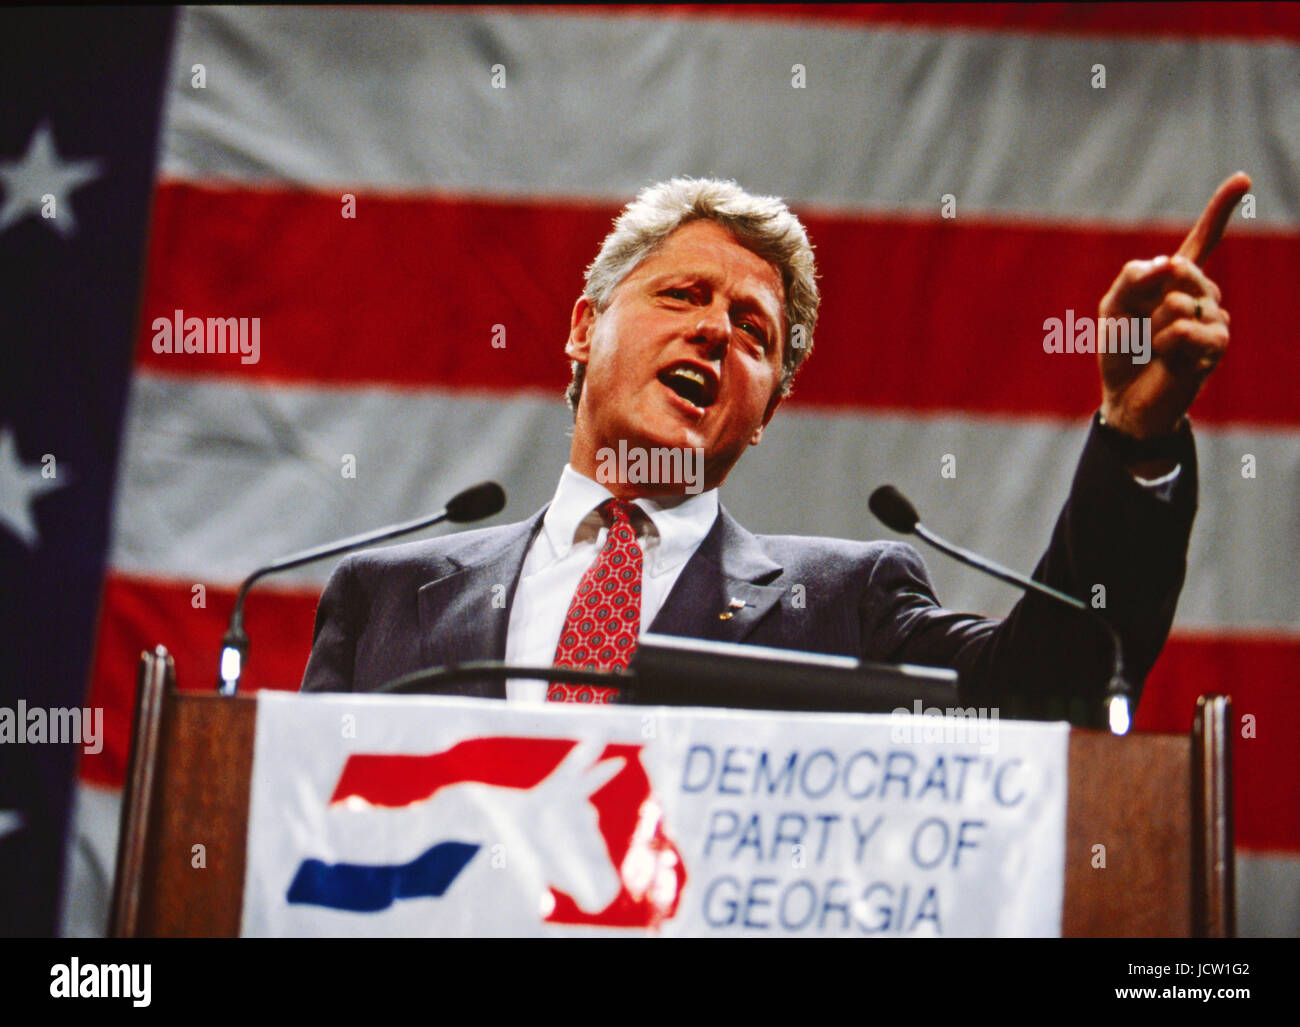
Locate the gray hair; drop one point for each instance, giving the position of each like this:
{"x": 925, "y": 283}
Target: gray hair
{"x": 763, "y": 224}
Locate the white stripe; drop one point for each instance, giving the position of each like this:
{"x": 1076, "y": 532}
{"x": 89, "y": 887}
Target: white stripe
{"x": 890, "y": 120}
{"x": 1012, "y": 477}
{"x": 218, "y": 477}
{"x": 11, "y": 821}
{"x": 1268, "y": 895}
{"x": 90, "y": 861}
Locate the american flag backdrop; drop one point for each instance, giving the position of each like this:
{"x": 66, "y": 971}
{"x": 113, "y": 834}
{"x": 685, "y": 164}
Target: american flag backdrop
{"x": 406, "y": 200}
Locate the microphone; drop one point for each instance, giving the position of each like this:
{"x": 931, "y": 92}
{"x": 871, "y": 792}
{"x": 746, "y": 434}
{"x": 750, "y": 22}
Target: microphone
{"x": 894, "y": 510}
{"x": 475, "y": 503}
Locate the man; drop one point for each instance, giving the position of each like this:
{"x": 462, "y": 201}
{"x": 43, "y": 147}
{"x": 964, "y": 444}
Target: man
{"x": 698, "y": 312}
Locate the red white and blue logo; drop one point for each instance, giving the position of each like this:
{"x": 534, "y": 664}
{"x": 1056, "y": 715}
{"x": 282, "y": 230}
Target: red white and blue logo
{"x": 592, "y": 833}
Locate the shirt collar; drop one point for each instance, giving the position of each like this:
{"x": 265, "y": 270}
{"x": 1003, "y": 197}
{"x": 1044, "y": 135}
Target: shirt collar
{"x": 678, "y": 523}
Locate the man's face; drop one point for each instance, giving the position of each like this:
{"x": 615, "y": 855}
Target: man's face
{"x": 686, "y": 355}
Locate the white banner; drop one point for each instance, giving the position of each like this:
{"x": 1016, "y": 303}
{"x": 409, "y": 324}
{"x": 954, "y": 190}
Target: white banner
{"x": 387, "y": 815}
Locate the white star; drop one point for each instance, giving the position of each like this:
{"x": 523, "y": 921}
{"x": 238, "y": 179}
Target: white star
{"x": 19, "y": 486}
{"x": 40, "y": 171}
{"x": 10, "y": 821}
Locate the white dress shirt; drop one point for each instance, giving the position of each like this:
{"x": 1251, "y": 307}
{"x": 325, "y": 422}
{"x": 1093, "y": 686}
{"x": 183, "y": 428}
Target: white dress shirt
{"x": 570, "y": 538}
{"x": 1163, "y": 487}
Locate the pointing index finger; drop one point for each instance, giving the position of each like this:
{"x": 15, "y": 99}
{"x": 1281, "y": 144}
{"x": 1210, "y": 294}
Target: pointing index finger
{"x": 1209, "y": 227}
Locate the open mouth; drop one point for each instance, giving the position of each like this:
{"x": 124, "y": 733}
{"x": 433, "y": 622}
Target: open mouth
{"x": 691, "y": 384}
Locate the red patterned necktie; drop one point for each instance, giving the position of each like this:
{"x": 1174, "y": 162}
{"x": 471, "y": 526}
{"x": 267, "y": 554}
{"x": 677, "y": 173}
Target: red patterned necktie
{"x": 604, "y": 619}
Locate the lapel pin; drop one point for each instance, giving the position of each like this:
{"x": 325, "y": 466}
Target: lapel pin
{"x": 732, "y": 607}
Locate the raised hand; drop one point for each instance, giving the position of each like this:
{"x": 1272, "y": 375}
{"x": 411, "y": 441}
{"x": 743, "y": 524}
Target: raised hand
{"x": 1189, "y": 326}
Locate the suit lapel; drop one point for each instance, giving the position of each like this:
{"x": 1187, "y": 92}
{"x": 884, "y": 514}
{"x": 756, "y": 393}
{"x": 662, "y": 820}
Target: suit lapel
{"x": 459, "y": 621}
{"x": 729, "y": 568}
{"x": 460, "y": 617}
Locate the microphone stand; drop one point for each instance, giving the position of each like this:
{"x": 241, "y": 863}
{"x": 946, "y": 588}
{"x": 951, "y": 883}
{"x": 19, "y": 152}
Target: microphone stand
{"x": 474, "y": 503}
{"x": 898, "y": 514}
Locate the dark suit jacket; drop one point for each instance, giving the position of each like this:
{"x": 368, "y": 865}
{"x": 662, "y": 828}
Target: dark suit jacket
{"x": 390, "y": 611}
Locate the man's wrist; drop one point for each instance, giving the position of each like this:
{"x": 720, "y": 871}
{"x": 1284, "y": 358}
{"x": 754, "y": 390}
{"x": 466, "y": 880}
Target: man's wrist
{"x": 1148, "y": 458}
{"x": 1117, "y": 418}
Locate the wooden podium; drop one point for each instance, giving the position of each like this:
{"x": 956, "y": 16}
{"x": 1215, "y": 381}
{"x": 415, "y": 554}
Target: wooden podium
{"x": 1160, "y": 804}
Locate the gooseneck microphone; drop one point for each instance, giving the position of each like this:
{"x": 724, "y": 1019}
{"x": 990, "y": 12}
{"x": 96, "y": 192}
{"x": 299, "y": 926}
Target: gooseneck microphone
{"x": 894, "y": 510}
{"x": 475, "y": 503}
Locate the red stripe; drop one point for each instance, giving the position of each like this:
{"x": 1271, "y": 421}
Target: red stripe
{"x": 921, "y": 315}
{"x": 398, "y": 780}
{"x": 1177, "y": 20}
{"x": 1260, "y": 674}
{"x": 140, "y": 613}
